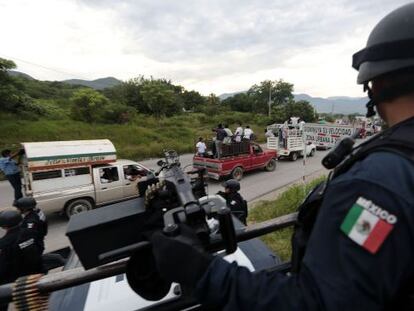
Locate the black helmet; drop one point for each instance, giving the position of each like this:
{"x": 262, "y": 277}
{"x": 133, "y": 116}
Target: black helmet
{"x": 390, "y": 46}
{"x": 25, "y": 204}
{"x": 10, "y": 218}
{"x": 389, "y": 49}
{"x": 232, "y": 184}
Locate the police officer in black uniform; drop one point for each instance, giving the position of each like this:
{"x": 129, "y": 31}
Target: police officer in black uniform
{"x": 19, "y": 254}
{"x": 33, "y": 218}
{"x": 10, "y": 221}
{"x": 353, "y": 248}
{"x": 234, "y": 200}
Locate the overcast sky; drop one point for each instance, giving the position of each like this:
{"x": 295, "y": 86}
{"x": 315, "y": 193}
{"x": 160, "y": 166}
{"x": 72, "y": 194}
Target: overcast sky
{"x": 212, "y": 46}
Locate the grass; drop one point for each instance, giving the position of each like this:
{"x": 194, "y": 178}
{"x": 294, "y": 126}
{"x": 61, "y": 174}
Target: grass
{"x": 287, "y": 202}
{"x": 143, "y": 137}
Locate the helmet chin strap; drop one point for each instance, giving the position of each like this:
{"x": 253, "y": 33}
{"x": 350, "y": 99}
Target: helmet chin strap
{"x": 371, "y": 104}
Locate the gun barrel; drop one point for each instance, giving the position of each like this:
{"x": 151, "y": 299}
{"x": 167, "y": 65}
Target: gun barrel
{"x": 74, "y": 277}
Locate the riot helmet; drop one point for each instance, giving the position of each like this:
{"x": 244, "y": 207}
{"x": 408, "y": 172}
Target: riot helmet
{"x": 25, "y": 204}
{"x": 232, "y": 184}
{"x": 389, "y": 49}
{"x": 10, "y": 218}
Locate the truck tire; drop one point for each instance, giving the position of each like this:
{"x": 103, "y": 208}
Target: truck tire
{"x": 77, "y": 206}
{"x": 293, "y": 156}
{"x": 237, "y": 173}
{"x": 312, "y": 153}
{"x": 271, "y": 165}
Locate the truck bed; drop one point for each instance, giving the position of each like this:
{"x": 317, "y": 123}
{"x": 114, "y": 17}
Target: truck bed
{"x": 225, "y": 165}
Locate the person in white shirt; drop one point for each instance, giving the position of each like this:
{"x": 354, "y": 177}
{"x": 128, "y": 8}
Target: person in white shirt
{"x": 238, "y": 134}
{"x": 248, "y": 132}
{"x": 201, "y": 147}
{"x": 227, "y": 139}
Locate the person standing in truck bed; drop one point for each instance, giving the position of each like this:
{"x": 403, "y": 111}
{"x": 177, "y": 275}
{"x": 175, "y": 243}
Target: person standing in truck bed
{"x": 220, "y": 135}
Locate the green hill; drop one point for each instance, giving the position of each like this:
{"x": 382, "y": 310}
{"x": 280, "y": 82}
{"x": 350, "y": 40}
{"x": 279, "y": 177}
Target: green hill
{"x": 15, "y": 73}
{"x": 98, "y": 84}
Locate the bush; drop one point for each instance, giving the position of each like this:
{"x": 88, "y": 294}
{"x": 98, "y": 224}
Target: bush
{"x": 52, "y": 109}
{"x": 117, "y": 113}
{"x": 89, "y": 105}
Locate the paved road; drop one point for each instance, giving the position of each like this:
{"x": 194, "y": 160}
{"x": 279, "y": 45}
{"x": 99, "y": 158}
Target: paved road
{"x": 253, "y": 185}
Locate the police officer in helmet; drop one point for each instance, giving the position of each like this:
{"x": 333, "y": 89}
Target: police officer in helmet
{"x": 33, "y": 218}
{"x": 9, "y": 221}
{"x": 19, "y": 254}
{"x": 353, "y": 246}
{"x": 234, "y": 200}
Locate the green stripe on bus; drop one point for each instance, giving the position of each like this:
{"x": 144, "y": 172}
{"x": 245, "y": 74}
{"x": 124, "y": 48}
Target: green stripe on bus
{"x": 71, "y": 156}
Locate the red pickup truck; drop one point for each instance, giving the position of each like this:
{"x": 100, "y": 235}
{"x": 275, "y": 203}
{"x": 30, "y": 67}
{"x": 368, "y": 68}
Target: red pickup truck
{"x": 236, "y": 160}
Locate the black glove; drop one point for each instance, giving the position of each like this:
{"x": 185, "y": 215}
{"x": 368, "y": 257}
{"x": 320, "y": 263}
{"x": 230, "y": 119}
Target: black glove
{"x": 180, "y": 259}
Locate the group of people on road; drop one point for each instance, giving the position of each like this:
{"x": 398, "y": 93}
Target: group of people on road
{"x": 224, "y": 135}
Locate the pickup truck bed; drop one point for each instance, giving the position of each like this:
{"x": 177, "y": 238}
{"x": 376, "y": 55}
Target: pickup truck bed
{"x": 235, "y": 166}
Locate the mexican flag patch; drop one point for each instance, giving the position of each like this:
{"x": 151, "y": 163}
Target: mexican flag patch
{"x": 367, "y": 224}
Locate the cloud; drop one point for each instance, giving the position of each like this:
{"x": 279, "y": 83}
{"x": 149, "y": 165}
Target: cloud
{"x": 211, "y": 45}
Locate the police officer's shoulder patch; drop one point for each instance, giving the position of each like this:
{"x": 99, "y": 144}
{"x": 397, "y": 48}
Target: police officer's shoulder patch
{"x": 367, "y": 224}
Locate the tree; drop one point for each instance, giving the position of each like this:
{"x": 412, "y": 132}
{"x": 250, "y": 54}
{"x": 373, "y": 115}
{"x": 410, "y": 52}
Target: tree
{"x": 149, "y": 96}
{"x": 12, "y": 97}
{"x": 212, "y": 105}
{"x": 280, "y": 94}
{"x": 192, "y": 100}
{"x": 89, "y": 105}
{"x": 302, "y": 109}
{"x": 128, "y": 93}
{"x": 213, "y": 100}
{"x": 278, "y": 114}
{"x": 240, "y": 102}
{"x": 6, "y": 65}
{"x": 159, "y": 99}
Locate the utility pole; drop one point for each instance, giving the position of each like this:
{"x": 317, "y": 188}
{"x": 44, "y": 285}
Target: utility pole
{"x": 269, "y": 102}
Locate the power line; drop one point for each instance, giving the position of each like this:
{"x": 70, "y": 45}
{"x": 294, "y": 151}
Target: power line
{"x": 41, "y": 66}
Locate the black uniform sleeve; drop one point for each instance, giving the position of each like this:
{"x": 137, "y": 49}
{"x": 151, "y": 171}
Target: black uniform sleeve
{"x": 337, "y": 273}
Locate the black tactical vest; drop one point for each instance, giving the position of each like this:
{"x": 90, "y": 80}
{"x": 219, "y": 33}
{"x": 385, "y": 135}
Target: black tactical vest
{"x": 398, "y": 139}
